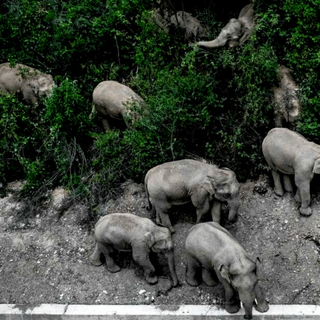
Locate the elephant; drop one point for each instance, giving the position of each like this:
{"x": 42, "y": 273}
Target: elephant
{"x": 29, "y": 81}
{"x": 111, "y": 99}
{"x": 236, "y": 32}
{"x": 212, "y": 249}
{"x": 183, "y": 181}
{"x": 287, "y": 103}
{"x": 191, "y": 26}
{"x": 128, "y": 232}
{"x": 288, "y": 152}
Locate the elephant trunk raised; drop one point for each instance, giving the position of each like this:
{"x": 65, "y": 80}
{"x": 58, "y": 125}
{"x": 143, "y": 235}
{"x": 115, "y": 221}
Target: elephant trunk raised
{"x": 172, "y": 268}
{"x": 231, "y": 32}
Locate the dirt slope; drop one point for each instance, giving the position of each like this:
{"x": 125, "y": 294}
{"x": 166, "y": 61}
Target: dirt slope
{"x": 46, "y": 259}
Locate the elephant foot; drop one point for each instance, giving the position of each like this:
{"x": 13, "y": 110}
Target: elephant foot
{"x": 152, "y": 280}
{"x": 96, "y": 262}
{"x": 115, "y": 268}
{"x": 279, "y": 192}
{"x": 232, "y": 308}
{"x": 210, "y": 282}
{"x": 262, "y": 307}
{"x": 192, "y": 281}
{"x": 306, "y": 211}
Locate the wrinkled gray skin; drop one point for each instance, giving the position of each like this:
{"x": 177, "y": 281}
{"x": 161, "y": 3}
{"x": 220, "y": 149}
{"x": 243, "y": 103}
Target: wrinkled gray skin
{"x": 287, "y": 104}
{"x": 127, "y": 232}
{"x": 211, "y": 249}
{"x": 183, "y": 181}
{"x": 236, "y": 32}
{"x": 290, "y": 153}
{"x": 29, "y": 81}
{"x": 190, "y": 25}
{"x": 111, "y": 99}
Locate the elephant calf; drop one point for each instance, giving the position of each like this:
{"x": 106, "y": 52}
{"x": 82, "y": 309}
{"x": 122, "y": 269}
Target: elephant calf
{"x": 29, "y": 81}
{"x": 212, "y": 249}
{"x": 110, "y": 99}
{"x": 183, "y": 181}
{"x": 290, "y": 153}
{"x": 127, "y": 232}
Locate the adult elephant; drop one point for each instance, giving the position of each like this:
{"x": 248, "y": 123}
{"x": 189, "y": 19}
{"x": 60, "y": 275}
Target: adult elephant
{"x": 289, "y": 153}
{"x": 29, "y": 81}
{"x": 211, "y": 249}
{"x": 235, "y": 32}
{"x": 183, "y": 181}
{"x": 111, "y": 99}
{"x": 127, "y": 232}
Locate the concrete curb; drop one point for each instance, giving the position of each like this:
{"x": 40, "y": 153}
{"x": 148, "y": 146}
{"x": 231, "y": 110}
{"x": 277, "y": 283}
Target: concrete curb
{"x": 144, "y": 312}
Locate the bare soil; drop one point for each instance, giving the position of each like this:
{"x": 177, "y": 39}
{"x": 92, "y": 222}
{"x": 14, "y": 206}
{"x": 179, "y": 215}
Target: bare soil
{"x": 46, "y": 259}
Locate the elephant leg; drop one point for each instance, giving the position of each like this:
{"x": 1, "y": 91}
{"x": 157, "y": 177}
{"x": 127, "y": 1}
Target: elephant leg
{"x": 297, "y": 196}
{"x": 207, "y": 278}
{"x": 193, "y": 265}
{"x": 287, "y": 183}
{"x": 96, "y": 256}
{"x": 107, "y": 250}
{"x": 162, "y": 213}
{"x": 232, "y": 301}
{"x": 304, "y": 189}
{"x": 140, "y": 254}
{"x": 106, "y": 125}
{"x": 262, "y": 305}
{"x": 202, "y": 205}
{"x": 277, "y": 183}
{"x": 216, "y": 211}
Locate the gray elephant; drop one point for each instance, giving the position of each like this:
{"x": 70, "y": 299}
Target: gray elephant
{"x": 191, "y": 26}
{"x": 30, "y": 82}
{"x": 236, "y": 32}
{"x": 183, "y": 181}
{"x": 287, "y": 103}
{"x": 212, "y": 250}
{"x": 111, "y": 99}
{"x": 290, "y": 153}
{"x": 127, "y": 232}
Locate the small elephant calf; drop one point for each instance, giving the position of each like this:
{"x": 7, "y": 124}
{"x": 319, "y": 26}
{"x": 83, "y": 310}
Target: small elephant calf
{"x": 127, "y": 232}
{"x": 212, "y": 249}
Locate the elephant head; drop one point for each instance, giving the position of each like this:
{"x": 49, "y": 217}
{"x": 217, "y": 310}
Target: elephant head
{"x": 246, "y": 284}
{"x": 160, "y": 240}
{"x": 225, "y": 188}
{"x": 235, "y": 32}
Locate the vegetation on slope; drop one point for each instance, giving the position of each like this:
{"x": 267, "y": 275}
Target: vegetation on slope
{"x": 210, "y": 103}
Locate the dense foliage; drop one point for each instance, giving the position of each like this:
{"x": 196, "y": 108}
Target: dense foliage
{"x": 210, "y": 103}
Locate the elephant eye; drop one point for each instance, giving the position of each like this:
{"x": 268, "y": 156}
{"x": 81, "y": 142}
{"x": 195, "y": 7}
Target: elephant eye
{"x": 227, "y": 195}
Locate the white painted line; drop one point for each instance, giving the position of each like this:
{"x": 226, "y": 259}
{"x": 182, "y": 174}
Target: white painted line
{"x": 132, "y": 312}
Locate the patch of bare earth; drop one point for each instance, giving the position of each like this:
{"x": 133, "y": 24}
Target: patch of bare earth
{"x": 46, "y": 259}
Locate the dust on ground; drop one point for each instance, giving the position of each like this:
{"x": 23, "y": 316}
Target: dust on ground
{"x": 46, "y": 259}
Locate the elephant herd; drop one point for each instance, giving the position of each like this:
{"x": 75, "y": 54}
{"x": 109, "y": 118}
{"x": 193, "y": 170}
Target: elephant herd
{"x": 210, "y": 249}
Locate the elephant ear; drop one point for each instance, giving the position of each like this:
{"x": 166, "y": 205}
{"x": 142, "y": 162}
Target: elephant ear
{"x": 208, "y": 184}
{"x": 149, "y": 239}
{"x": 224, "y": 271}
{"x": 316, "y": 167}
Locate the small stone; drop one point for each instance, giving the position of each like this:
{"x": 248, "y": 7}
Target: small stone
{"x": 142, "y": 291}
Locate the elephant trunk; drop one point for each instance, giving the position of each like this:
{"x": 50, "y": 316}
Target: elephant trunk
{"x": 248, "y": 309}
{"x": 233, "y": 209}
{"x": 172, "y": 267}
{"x": 218, "y": 42}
